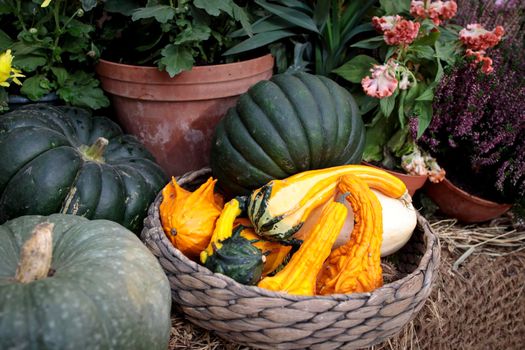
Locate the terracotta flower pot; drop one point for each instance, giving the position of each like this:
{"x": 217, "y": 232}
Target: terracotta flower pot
{"x": 465, "y": 207}
{"x": 412, "y": 182}
{"x": 175, "y": 117}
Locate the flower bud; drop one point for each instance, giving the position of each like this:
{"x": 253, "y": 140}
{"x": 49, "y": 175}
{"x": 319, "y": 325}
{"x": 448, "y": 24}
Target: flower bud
{"x": 33, "y": 30}
{"x": 80, "y": 13}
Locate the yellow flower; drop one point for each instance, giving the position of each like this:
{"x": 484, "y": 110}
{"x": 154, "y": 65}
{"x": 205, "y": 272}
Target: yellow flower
{"x": 7, "y": 72}
{"x": 45, "y": 3}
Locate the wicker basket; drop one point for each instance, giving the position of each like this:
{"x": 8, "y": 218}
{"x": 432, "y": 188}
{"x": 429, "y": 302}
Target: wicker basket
{"x": 274, "y": 320}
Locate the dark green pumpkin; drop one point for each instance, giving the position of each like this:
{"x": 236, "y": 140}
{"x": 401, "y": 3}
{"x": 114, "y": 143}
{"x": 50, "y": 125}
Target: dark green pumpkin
{"x": 237, "y": 258}
{"x": 289, "y": 124}
{"x": 50, "y": 162}
{"x": 105, "y": 290}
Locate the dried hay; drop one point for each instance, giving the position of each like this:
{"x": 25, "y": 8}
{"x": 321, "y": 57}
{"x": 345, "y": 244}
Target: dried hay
{"x": 477, "y": 260}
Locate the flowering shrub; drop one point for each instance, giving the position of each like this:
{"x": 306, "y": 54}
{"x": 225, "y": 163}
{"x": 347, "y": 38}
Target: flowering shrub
{"x": 479, "y": 122}
{"x": 415, "y": 51}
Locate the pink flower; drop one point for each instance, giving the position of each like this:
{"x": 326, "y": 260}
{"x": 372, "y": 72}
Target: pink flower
{"x": 383, "y": 82}
{"x": 477, "y": 38}
{"x": 435, "y": 172}
{"x": 384, "y": 23}
{"x": 396, "y": 29}
{"x": 437, "y": 11}
{"x": 403, "y": 33}
{"x": 479, "y": 56}
{"x": 417, "y": 9}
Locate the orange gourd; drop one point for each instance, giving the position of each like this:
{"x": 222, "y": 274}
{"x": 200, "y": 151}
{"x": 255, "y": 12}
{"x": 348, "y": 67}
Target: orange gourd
{"x": 356, "y": 266}
{"x": 188, "y": 218}
{"x": 300, "y": 274}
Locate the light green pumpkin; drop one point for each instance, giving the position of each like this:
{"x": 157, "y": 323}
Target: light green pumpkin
{"x": 103, "y": 290}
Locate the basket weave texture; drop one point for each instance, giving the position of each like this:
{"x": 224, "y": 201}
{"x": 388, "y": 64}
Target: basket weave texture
{"x": 274, "y": 320}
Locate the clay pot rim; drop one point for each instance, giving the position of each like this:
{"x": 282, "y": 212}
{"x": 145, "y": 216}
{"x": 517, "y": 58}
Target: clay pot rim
{"x": 198, "y": 74}
{"x": 478, "y": 200}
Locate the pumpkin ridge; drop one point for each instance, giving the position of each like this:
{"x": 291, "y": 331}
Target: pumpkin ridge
{"x": 353, "y": 150}
{"x": 256, "y": 144}
{"x": 315, "y": 157}
{"x": 19, "y": 175}
{"x": 90, "y": 210}
{"x": 301, "y": 122}
{"x": 326, "y": 147}
{"x": 251, "y": 170}
{"x": 2, "y": 186}
{"x": 271, "y": 122}
{"x": 342, "y": 110}
{"x": 276, "y": 107}
{"x": 115, "y": 186}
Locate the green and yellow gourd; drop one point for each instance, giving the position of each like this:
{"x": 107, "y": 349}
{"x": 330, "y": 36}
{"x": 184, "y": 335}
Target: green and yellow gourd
{"x": 283, "y": 126}
{"x": 279, "y": 209}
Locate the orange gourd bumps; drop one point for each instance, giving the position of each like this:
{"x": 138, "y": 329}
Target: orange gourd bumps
{"x": 188, "y": 218}
{"x": 356, "y": 266}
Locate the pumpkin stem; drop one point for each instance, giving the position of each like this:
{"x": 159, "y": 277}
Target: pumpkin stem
{"x": 35, "y": 255}
{"x": 96, "y": 151}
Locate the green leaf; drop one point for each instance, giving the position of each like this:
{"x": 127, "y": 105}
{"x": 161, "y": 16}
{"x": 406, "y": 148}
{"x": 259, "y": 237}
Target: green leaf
{"x": 446, "y": 52}
{"x": 356, "y": 69}
{"x": 401, "y": 108}
{"x": 36, "y": 86}
{"x": 60, "y": 74}
{"x": 395, "y": 7}
{"x": 214, "y": 7}
{"x": 423, "y": 110}
{"x": 176, "y": 59}
{"x": 427, "y": 95}
{"x": 397, "y": 142}
{"x": 258, "y": 40}
{"x": 5, "y": 41}
{"x": 193, "y": 34}
{"x": 124, "y": 7}
{"x": 424, "y": 52}
{"x": 377, "y": 136}
{"x": 82, "y": 89}
{"x": 372, "y": 43}
{"x": 291, "y": 15}
{"x": 427, "y": 40}
{"x": 161, "y": 13}
{"x": 240, "y": 15}
{"x": 263, "y": 25}
{"x": 387, "y": 104}
{"x": 29, "y": 63}
{"x": 88, "y": 5}
{"x": 366, "y": 103}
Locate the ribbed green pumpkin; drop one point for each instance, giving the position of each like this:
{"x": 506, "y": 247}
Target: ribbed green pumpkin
{"x": 105, "y": 290}
{"x": 54, "y": 159}
{"x": 289, "y": 124}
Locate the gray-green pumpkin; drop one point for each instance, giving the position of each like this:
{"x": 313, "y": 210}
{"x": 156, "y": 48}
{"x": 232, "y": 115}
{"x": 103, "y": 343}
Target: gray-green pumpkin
{"x": 102, "y": 290}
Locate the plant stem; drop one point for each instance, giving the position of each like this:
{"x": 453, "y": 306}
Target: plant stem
{"x": 18, "y": 11}
{"x": 36, "y": 254}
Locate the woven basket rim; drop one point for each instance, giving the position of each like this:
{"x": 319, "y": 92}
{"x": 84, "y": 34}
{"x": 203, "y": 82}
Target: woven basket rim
{"x": 430, "y": 240}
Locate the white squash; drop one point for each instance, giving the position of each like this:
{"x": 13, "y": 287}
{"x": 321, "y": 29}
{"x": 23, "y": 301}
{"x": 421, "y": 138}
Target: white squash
{"x": 399, "y": 221}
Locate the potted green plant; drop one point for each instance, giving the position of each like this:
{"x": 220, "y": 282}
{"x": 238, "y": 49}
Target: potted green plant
{"x": 164, "y": 70}
{"x": 477, "y": 129}
{"x": 51, "y": 43}
{"x": 416, "y": 44}
{"x": 307, "y": 35}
